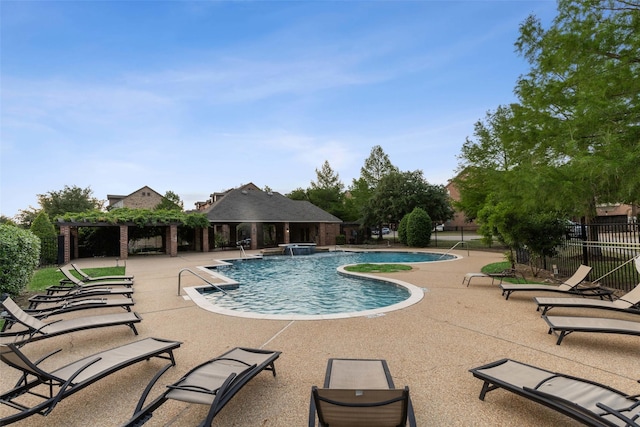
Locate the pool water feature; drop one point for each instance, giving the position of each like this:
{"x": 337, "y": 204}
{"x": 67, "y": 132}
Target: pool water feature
{"x": 312, "y": 286}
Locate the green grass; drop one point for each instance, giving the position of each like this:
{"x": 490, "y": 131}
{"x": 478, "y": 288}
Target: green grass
{"x": 44, "y": 277}
{"x": 496, "y": 267}
{"x": 378, "y": 268}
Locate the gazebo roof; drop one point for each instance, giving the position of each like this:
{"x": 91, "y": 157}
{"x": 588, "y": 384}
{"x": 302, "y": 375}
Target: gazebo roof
{"x": 247, "y": 204}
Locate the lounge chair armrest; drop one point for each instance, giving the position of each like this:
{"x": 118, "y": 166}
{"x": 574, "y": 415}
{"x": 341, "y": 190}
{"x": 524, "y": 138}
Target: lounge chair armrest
{"x": 149, "y": 386}
{"x": 66, "y": 385}
{"x": 46, "y": 356}
{"x": 215, "y": 406}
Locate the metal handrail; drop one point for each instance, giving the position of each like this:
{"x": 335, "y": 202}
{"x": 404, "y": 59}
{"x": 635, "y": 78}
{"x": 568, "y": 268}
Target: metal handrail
{"x": 453, "y": 247}
{"x": 616, "y": 269}
{"x": 196, "y": 274}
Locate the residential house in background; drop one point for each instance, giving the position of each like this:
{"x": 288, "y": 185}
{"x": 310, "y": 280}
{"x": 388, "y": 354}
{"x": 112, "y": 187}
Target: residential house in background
{"x": 143, "y": 198}
{"x": 616, "y": 213}
{"x": 459, "y": 221}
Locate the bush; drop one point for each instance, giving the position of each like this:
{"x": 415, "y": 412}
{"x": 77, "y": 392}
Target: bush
{"x": 402, "y": 229}
{"x": 419, "y": 227}
{"x": 341, "y": 239}
{"x": 44, "y": 229}
{"x": 19, "y": 256}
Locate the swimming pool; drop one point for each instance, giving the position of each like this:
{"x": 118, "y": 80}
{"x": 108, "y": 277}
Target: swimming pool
{"x": 312, "y": 286}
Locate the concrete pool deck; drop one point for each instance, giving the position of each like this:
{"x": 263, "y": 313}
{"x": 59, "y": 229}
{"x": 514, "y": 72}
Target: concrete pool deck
{"x": 429, "y": 346}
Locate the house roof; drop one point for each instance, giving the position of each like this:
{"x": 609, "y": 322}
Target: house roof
{"x": 252, "y": 205}
{"x": 115, "y": 198}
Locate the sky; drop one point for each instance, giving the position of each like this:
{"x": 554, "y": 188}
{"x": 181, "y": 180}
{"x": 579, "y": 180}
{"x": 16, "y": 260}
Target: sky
{"x": 198, "y": 97}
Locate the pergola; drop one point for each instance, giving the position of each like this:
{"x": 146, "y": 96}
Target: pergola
{"x": 69, "y": 231}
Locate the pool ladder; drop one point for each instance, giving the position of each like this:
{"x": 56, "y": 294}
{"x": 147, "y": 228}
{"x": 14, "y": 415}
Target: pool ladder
{"x": 196, "y": 274}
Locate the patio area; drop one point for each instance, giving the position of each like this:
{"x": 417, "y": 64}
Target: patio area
{"x": 429, "y": 346}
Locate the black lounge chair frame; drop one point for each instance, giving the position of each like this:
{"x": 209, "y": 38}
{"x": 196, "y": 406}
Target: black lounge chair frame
{"x": 571, "y": 286}
{"x": 69, "y": 379}
{"x": 70, "y": 282}
{"x": 507, "y": 273}
{"x": 408, "y": 415}
{"x": 68, "y": 306}
{"x": 35, "y": 329}
{"x": 631, "y": 420}
{"x": 75, "y": 294}
{"x": 583, "y": 291}
{"x": 627, "y": 303}
{"x": 583, "y": 303}
{"x": 222, "y": 393}
{"x": 86, "y": 278}
{"x": 566, "y": 407}
{"x": 617, "y": 326}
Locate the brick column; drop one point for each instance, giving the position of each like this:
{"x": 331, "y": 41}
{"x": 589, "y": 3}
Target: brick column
{"x": 322, "y": 234}
{"x": 287, "y": 233}
{"x": 65, "y": 231}
{"x": 173, "y": 240}
{"x": 124, "y": 241}
{"x": 254, "y": 235}
{"x": 197, "y": 239}
{"x": 205, "y": 239}
{"x": 76, "y": 249}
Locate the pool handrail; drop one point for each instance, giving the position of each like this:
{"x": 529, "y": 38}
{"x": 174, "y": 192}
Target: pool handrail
{"x": 196, "y": 274}
{"x": 453, "y": 247}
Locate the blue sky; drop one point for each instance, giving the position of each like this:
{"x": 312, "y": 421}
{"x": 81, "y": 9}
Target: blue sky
{"x": 200, "y": 97}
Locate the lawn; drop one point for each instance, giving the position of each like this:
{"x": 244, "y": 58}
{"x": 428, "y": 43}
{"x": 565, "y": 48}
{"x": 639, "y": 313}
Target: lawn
{"x": 44, "y": 277}
{"x": 377, "y": 268}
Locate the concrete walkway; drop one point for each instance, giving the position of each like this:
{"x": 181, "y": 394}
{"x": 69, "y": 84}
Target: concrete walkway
{"x": 429, "y": 347}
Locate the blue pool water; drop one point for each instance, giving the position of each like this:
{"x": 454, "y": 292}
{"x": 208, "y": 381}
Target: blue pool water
{"x": 311, "y": 285}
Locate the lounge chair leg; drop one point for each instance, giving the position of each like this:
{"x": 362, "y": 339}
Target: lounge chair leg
{"x": 486, "y": 387}
{"x": 561, "y": 336}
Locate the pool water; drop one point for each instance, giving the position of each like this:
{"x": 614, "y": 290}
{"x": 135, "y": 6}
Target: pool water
{"x": 311, "y": 284}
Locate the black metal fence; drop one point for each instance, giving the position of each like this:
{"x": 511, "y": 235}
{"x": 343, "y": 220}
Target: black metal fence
{"x": 51, "y": 251}
{"x": 608, "y": 248}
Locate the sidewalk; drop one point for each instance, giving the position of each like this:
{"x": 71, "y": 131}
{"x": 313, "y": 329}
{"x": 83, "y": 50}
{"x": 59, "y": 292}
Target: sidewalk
{"x": 429, "y": 347}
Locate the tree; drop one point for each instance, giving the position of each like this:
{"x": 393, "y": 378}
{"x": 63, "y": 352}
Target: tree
{"x": 70, "y": 199}
{"x": 490, "y": 164}
{"x": 298, "y": 194}
{"x": 6, "y": 220}
{"x": 398, "y": 193}
{"x": 328, "y": 179}
{"x": 573, "y": 139}
{"x": 376, "y": 166}
{"x": 328, "y": 191}
{"x": 171, "y": 201}
{"x": 540, "y": 232}
{"x": 582, "y": 95}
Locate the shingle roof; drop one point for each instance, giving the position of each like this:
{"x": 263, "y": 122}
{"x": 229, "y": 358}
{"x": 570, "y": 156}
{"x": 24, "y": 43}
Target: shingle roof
{"x": 241, "y": 205}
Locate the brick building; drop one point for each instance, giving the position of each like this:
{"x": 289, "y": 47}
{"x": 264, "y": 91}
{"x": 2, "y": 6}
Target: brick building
{"x": 266, "y": 219}
{"x": 143, "y": 198}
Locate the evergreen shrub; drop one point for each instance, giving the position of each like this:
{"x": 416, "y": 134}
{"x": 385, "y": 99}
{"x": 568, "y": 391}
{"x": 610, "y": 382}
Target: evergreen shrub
{"x": 19, "y": 256}
{"x": 419, "y": 227}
